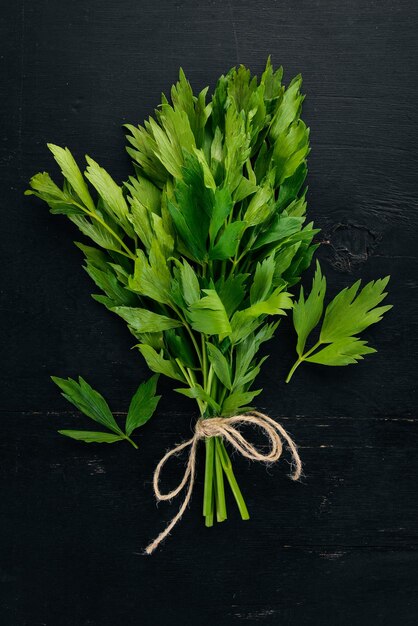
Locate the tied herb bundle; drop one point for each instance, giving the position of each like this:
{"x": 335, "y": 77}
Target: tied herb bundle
{"x": 199, "y": 251}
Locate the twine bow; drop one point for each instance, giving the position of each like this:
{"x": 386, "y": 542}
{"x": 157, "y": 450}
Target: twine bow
{"x": 225, "y": 427}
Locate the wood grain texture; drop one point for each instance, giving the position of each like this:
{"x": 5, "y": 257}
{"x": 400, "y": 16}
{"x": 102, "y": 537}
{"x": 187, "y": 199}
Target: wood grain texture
{"x": 342, "y": 546}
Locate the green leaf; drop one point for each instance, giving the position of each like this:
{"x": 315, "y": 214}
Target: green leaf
{"x": 143, "y": 405}
{"x": 172, "y": 138}
{"x": 232, "y": 292}
{"x": 247, "y": 350}
{"x": 108, "y": 282}
{"x": 238, "y": 401}
{"x": 157, "y": 363}
{"x": 219, "y": 364}
{"x": 343, "y": 351}
{"x": 198, "y": 393}
{"x": 192, "y": 210}
{"x": 144, "y": 153}
{"x": 96, "y": 232}
{"x": 91, "y": 436}
{"x": 145, "y": 193}
{"x": 88, "y": 401}
{"x": 260, "y": 206}
{"x": 263, "y": 279}
{"x": 140, "y": 220}
{"x": 111, "y": 193}
{"x": 190, "y": 287}
{"x": 222, "y": 207}
{"x": 208, "y": 315}
{"x": 282, "y": 227}
{"x": 288, "y": 110}
{"x": 144, "y": 321}
{"x": 290, "y": 150}
{"x": 71, "y": 172}
{"x": 349, "y": 314}
{"x": 275, "y": 304}
{"x": 307, "y": 313}
{"x": 60, "y": 202}
{"x": 291, "y": 187}
{"x": 178, "y": 343}
{"x": 152, "y": 276}
{"x": 227, "y": 243}
{"x": 236, "y": 145}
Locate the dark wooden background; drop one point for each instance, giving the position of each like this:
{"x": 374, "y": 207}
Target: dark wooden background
{"x": 342, "y": 546}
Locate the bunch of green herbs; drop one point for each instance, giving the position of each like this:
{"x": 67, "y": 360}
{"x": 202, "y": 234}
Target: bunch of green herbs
{"x": 200, "y": 249}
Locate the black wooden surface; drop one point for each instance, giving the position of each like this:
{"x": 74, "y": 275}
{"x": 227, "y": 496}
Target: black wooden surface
{"x": 342, "y": 546}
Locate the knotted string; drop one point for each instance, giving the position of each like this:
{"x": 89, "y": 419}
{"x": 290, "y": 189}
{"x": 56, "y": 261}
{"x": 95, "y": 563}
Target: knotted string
{"x": 225, "y": 427}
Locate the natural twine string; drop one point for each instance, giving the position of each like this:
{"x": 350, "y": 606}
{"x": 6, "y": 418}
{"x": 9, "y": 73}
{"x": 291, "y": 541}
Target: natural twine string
{"x": 225, "y": 427}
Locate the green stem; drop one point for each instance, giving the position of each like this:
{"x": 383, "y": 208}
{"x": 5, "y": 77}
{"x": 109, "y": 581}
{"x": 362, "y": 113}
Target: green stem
{"x": 204, "y": 361}
{"x": 294, "y": 368}
{"x": 236, "y": 491}
{"x": 131, "y": 442}
{"x": 189, "y": 330}
{"x": 300, "y": 360}
{"x": 208, "y": 486}
{"x": 220, "y": 489}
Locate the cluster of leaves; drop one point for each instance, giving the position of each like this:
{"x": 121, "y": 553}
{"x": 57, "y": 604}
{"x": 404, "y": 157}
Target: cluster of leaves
{"x": 198, "y": 249}
{"x": 347, "y": 315}
{"x": 91, "y": 403}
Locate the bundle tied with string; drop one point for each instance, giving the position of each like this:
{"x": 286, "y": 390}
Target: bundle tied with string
{"x": 228, "y": 429}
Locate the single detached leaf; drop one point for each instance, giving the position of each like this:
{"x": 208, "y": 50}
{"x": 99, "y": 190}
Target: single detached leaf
{"x": 307, "y": 312}
{"x": 347, "y": 315}
{"x": 91, "y": 436}
{"x": 88, "y": 401}
{"x": 344, "y": 351}
{"x": 350, "y": 312}
{"x": 143, "y": 405}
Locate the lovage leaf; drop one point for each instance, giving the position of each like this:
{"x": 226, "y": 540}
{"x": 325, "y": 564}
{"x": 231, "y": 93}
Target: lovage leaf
{"x": 350, "y": 312}
{"x": 143, "y": 405}
{"x": 91, "y": 436}
{"x": 88, "y": 401}
{"x": 144, "y": 321}
{"x": 347, "y": 315}
{"x": 72, "y": 174}
{"x": 343, "y": 351}
{"x": 220, "y": 365}
{"x": 208, "y": 315}
{"x": 307, "y": 313}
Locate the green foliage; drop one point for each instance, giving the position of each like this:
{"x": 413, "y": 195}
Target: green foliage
{"x": 199, "y": 249}
{"x": 346, "y": 316}
{"x": 143, "y": 405}
{"x": 92, "y": 404}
